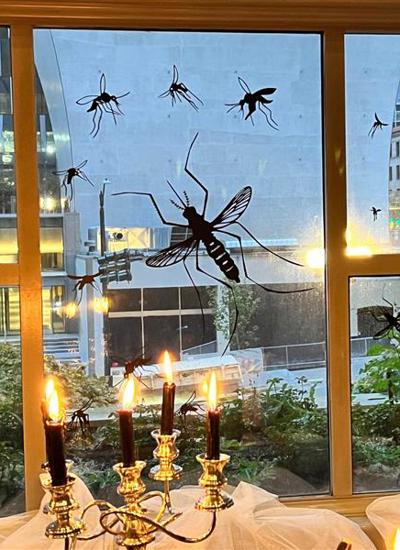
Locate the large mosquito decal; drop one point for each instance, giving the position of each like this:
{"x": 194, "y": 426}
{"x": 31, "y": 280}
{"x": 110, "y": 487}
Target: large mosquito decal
{"x": 202, "y": 232}
{"x": 68, "y": 178}
{"x": 390, "y": 318}
{"x": 135, "y": 365}
{"x": 179, "y": 91}
{"x": 254, "y": 100}
{"x": 102, "y": 103}
{"x": 82, "y": 281}
{"x": 377, "y": 125}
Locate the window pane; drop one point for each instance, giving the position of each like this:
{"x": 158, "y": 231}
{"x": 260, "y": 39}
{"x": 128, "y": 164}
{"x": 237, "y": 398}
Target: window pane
{"x": 11, "y": 436}
{"x": 275, "y": 359}
{"x": 8, "y": 227}
{"x": 373, "y": 141}
{"x": 375, "y": 340}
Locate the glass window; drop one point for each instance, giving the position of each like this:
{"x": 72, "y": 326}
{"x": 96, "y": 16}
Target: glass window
{"x": 11, "y": 433}
{"x": 375, "y": 367}
{"x": 372, "y": 134}
{"x": 124, "y": 306}
{"x": 8, "y": 231}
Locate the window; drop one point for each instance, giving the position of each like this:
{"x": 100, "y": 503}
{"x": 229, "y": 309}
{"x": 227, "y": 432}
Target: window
{"x": 155, "y": 309}
{"x": 290, "y": 168}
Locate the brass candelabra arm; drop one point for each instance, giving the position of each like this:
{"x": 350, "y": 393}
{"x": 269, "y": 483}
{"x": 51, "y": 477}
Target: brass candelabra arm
{"x": 161, "y": 526}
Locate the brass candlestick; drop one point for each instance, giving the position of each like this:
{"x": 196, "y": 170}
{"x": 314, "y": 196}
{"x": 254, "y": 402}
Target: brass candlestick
{"x": 166, "y": 452}
{"x": 62, "y": 505}
{"x": 213, "y": 480}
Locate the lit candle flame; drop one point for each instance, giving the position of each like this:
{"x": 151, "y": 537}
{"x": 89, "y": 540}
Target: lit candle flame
{"x": 396, "y": 542}
{"x": 128, "y": 393}
{"x": 70, "y": 310}
{"x": 54, "y": 406}
{"x": 101, "y": 305}
{"x": 167, "y": 368}
{"x": 50, "y": 388}
{"x": 212, "y": 392}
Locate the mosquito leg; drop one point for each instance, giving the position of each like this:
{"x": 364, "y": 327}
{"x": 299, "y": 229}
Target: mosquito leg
{"x": 98, "y": 121}
{"x": 246, "y": 273}
{"x": 266, "y": 248}
{"x": 195, "y": 96}
{"x": 165, "y": 222}
{"x": 194, "y": 177}
{"x": 269, "y": 122}
{"x": 228, "y": 286}
{"x": 198, "y": 296}
{"x": 232, "y": 106}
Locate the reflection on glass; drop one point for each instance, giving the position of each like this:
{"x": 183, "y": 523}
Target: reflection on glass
{"x": 11, "y": 436}
{"x": 273, "y": 376}
{"x": 375, "y": 368}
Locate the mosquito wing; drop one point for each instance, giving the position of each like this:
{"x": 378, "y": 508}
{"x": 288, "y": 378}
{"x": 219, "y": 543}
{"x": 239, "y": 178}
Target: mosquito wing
{"x": 173, "y": 254}
{"x": 81, "y": 165}
{"x": 75, "y": 277}
{"x": 175, "y": 74}
{"x": 86, "y": 99}
{"x": 265, "y": 91}
{"x": 234, "y": 209}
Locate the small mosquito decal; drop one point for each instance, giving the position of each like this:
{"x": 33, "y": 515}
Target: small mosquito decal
{"x": 68, "y": 178}
{"x": 80, "y": 418}
{"x": 82, "y": 281}
{"x": 102, "y": 103}
{"x": 135, "y": 365}
{"x": 375, "y": 212}
{"x": 391, "y": 319}
{"x": 254, "y": 100}
{"x": 190, "y": 407}
{"x": 202, "y": 232}
{"x": 178, "y": 90}
{"x": 378, "y": 124}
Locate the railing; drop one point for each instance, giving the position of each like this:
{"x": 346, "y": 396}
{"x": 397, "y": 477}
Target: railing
{"x": 291, "y": 356}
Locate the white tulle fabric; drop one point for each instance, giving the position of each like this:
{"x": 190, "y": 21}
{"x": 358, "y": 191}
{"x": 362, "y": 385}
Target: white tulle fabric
{"x": 257, "y": 521}
{"x": 384, "y": 514}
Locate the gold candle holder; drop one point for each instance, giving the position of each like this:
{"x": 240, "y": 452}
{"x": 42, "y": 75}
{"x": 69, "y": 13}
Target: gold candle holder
{"x": 212, "y": 480}
{"x": 165, "y": 453}
{"x": 62, "y": 505}
{"x": 135, "y": 532}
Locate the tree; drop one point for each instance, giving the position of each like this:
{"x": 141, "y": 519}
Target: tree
{"x": 222, "y": 303}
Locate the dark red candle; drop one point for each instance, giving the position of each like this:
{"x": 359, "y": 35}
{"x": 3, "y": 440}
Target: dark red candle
{"x": 168, "y": 401}
{"x": 212, "y": 421}
{"x": 54, "y": 431}
{"x": 126, "y": 423}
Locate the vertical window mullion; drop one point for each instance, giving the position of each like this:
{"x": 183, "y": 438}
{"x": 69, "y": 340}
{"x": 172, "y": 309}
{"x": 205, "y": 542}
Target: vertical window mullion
{"x": 336, "y": 272}
{"x": 28, "y": 224}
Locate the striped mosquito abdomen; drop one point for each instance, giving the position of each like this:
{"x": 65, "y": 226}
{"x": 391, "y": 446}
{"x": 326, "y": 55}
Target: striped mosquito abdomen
{"x": 221, "y": 257}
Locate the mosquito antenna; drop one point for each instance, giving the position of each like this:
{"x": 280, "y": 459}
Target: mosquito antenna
{"x": 177, "y": 205}
{"x": 180, "y": 200}
{"x": 186, "y": 198}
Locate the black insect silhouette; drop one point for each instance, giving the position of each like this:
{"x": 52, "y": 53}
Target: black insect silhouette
{"x": 202, "y": 232}
{"x": 391, "y": 319}
{"x": 80, "y": 418}
{"x": 82, "y": 281}
{"x": 68, "y": 178}
{"x": 102, "y": 103}
{"x": 178, "y": 90}
{"x": 378, "y": 124}
{"x": 190, "y": 407}
{"x": 254, "y": 100}
{"x": 375, "y": 212}
{"x": 135, "y": 365}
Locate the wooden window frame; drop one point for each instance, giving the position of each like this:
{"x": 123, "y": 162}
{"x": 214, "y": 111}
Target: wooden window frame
{"x": 333, "y": 19}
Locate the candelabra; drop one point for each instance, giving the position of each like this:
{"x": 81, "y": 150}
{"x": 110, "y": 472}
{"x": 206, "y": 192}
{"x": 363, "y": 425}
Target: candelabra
{"x": 132, "y": 528}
